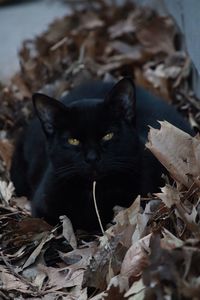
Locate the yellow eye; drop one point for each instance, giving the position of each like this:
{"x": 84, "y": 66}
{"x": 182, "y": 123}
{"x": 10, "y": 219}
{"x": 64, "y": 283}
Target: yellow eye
{"x": 108, "y": 136}
{"x": 73, "y": 142}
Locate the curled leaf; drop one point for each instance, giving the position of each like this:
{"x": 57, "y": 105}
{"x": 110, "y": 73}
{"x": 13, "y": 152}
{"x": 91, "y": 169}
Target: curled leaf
{"x": 177, "y": 151}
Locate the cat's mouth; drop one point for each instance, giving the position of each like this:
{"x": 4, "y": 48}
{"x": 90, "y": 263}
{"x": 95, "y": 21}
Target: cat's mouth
{"x": 94, "y": 175}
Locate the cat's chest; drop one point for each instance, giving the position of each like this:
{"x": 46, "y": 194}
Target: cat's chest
{"x": 75, "y": 199}
{"x": 83, "y": 192}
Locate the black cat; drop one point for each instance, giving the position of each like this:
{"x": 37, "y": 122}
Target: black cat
{"x": 97, "y": 132}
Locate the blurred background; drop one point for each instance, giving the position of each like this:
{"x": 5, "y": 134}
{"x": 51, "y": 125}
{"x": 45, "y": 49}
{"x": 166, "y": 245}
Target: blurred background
{"x": 20, "y": 20}
{"x": 52, "y": 45}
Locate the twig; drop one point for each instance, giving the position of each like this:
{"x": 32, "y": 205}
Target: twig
{"x": 59, "y": 44}
{"x": 96, "y": 208}
{"x": 78, "y": 65}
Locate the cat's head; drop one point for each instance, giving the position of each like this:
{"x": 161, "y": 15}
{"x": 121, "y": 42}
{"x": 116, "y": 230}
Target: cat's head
{"x": 91, "y": 137}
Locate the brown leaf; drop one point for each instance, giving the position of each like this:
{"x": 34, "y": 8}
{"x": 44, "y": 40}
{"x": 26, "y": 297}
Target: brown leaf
{"x": 114, "y": 293}
{"x": 26, "y": 230}
{"x": 80, "y": 258}
{"x": 136, "y": 258}
{"x": 126, "y": 223}
{"x": 157, "y": 34}
{"x": 33, "y": 225}
{"x": 99, "y": 296}
{"x": 121, "y": 28}
{"x": 91, "y": 20}
{"x": 34, "y": 255}
{"x": 170, "y": 241}
{"x": 6, "y": 150}
{"x": 177, "y": 151}
{"x": 161, "y": 270}
{"x": 135, "y": 51}
{"x": 170, "y": 196}
{"x": 10, "y": 282}
{"x": 21, "y": 203}
{"x": 68, "y": 231}
{"x": 6, "y": 191}
{"x": 159, "y": 75}
{"x": 61, "y": 278}
{"x": 103, "y": 265}
{"x": 137, "y": 289}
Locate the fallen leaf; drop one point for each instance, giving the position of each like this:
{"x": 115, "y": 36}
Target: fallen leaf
{"x": 137, "y": 288}
{"x": 6, "y": 151}
{"x": 10, "y": 282}
{"x": 61, "y": 278}
{"x": 121, "y": 28}
{"x": 177, "y": 151}
{"x": 68, "y": 231}
{"x": 135, "y": 51}
{"x": 6, "y": 191}
{"x": 170, "y": 241}
{"x": 170, "y": 195}
{"x": 136, "y": 258}
{"x": 126, "y": 223}
{"x": 157, "y": 35}
{"x": 37, "y": 251}
{"x": 80, "y": 258}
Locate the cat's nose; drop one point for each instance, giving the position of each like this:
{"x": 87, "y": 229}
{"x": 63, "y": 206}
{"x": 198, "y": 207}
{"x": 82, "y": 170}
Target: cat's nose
{"x": 92, "y": 157}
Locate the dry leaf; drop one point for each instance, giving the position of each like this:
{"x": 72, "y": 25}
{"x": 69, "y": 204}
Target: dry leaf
{"x": 6, "y": 191}
{"x": 99, "y": 296}
{"x": 170, "y": 196}
{"x": 60, "y": 278}
{"x": 157, "y": 35}
{"x": 80, "y": 258}
{"x": 121, "y": 28}
{"x": 126, "y": 223}
{"x": 136, "y": 258}
{"x": 170, "y": 241}
{"x": 117, "y": 286}
{"x": 137, "y": 288}
{"x": 177, "y": 151}
{"x": 37, "y": 251}
{"x": 11, "y": 282}
{"x": 6, "y": 150}
{"x": 68, "y": 231}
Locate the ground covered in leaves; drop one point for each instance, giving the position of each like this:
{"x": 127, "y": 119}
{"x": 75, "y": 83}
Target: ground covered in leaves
{"x": 150, "y": 254}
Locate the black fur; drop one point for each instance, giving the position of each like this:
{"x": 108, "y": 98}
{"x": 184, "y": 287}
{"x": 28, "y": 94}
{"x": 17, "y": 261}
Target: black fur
{"x": 58, "y": 177}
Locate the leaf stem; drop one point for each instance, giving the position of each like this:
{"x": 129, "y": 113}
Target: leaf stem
{"x": 96, "y": 208}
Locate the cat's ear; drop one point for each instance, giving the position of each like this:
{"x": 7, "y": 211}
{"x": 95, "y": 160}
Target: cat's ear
{"x": 121, "y": 99}
{"x": 49, "y": 111}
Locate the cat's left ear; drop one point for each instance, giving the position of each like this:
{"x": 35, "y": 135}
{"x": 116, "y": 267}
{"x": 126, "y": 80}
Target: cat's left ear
{"x": 121, "y": 99}
{"x": 50, "y": 112}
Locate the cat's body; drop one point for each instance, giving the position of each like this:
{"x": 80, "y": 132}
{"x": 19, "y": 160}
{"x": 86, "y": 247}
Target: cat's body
{"x": 99, "y": 136}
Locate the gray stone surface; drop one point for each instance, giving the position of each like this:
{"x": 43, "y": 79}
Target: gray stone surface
{"x": 23, "y": 21}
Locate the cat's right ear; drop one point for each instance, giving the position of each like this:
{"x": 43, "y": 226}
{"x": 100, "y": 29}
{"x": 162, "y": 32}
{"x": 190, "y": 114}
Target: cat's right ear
{"x": 122, "y": 100}
{"x": 49, "y": 111}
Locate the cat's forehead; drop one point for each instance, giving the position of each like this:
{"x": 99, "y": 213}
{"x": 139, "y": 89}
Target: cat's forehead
{"x": 88, "y": 116}
{"x": 86, "y": 108}
{"x": 84, "y": 103}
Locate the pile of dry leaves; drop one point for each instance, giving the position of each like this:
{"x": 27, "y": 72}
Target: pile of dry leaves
{"x": 150, "y": 254}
